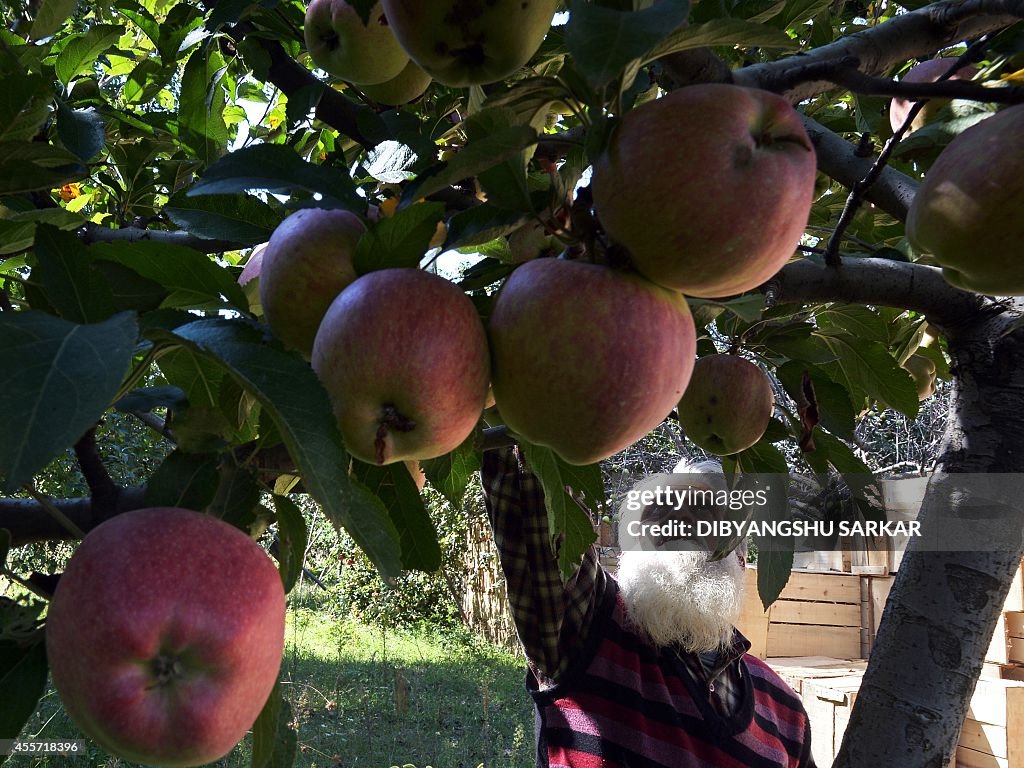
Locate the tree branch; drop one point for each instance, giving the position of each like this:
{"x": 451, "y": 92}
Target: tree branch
{"x": 28, "y": 521}
{"x": 94, "y": 233}
{"x": 879, "y": 49}
{"x": 101, "y": 487}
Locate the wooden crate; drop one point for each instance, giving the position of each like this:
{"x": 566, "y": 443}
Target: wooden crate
{"x": 993, "y": 733}
{"x": 817, "y": 614}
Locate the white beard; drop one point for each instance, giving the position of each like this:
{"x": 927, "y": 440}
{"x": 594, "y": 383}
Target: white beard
{"x": 682, "y": 598}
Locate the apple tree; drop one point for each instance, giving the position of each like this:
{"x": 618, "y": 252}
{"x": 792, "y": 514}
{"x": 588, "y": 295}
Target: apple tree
{"x": 150, "y": 148}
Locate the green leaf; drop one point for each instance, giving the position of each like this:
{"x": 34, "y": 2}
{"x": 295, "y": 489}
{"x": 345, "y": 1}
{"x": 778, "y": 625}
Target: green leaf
{"x": 56, "y": 380}
{"x": 774, "y": 567}
{"x": 394, "y": 486}
{"x": 291, "y": 527}
{"x": 23, "y": 672}
{"x": 725, "y": 32}
{"x": 24, "y": 106}
{"x": 399, "y": 241}
{"x": 18, "y": 232}
{"x": 78, "y": 56}
{"x": 869, "y": 368}
{"x": 193, "y": 279}
{"x": 762, "y": 458}
{"x": 146, "y": 399}
{"x": 567, "y": 517}
{"x": 50, "y": 17}
{"x": 240, "y": 218}
{"x": 66, "y": 275}
{"x": 290, "y": 393}
{"x": 187, "y": 480}
{"x": 26, "y": 166}
{"x": 237, "y": 500}
{"x": 201, "y": 105}
{"x": 277, "y": 169}
{"x": 274, "y": 742}
{"x": 82, "y": 131}
{"x": 858, "y": 321}
{"x": 198, "y": 377}
{"x": 835, "y": 410}
{"x": 746, "y": 308}
{"x": 481, "y": 224}
{"x": 451, "y": 474}
{"x": 603, "y": 41}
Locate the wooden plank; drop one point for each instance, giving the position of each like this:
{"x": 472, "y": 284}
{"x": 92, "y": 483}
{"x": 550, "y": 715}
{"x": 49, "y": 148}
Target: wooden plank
{"x": 805, "y": 639}
{"x": 1015, "y": 597}
{"x": 832, "y": 587}
{"x": 989, "y": 701}
{"x": 984, "y": 737}
{"x": 880, "y": 589}
{"x": 999, "y": 650}
{"x": 823, "y": 614}
{"x": 1015, "y": 650}
{"x": 841, "y": 691}
{"x": 972, "y": 758}
{"x": 821, "y": 713}
{"x": 1015, "y": 623}
{"x": 1015, "y": 726}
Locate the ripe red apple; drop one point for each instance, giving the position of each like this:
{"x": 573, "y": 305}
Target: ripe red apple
{"x": 343, "y": 46}
{"x": 709, "y": 188}
{"x": 727, "y": 406}
{"x": 403, "y": 356}
{"x": 587, "y": 359}
{"x": 967, "y": 213}
{"x": 165, "y": 635}
{"x": 306, "y": 264}
{"x": 459, "y": 43}
{"x": 926, "y": 72}
{"x": 407, "y": 85}
{"x": 922, "y": 370}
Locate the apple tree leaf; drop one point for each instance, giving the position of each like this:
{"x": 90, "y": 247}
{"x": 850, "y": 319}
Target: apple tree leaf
{"x": 451, "y": 474}
{"x": 50, "y": 16}
{"x": 291, "y": 528}
{"x": 26, "y": 166}
{"x": 569, "y": 492}
{"x": 274, "y": 741}
{"x": 77, "y": 56}
{"x": 238, "y": 218}
{"x": 56, "y": 380}
{"x": 604, "y": 41}
{"x": 237, "y": 500}
{"x": 24, "y": 104}
{"x": 398, "y": 241}
{"x": 186, "y": 480}
{"x": 293, "y": 397}
{"x": 81, "y": 130}
{"x": 774, "y": 567}
{"x": 67, "y": 276}
{"x": 393, "y": 485}
{"x": 835, "y": 410}
{"x": 869, "y": 368}
{"x": 201, "y": 105}
{"x": 277, "y": 168}
{"x": 23, "y": 671}
{"x": 730, "y": 32}
{"x": 857, "y": 321}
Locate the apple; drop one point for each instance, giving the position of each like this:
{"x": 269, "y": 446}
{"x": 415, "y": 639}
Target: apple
{"x": 967, "y": 212}
{"x": 165, "y": 635}
{"x": 727, "y": 406}
{"x": 343, "y": 46}
{"x": 403, "y": 356}
{"x": 249, "y": 279}
{"x": 531, "y": 241}
{"x": 306, "y": 264}
{"x": 708, "y": 187}
{"x": 409, "y": 84}
{"x": 922, "y": 369}
{"x": 926, "y": 72}
{"x": 587, "y": 359}
{"x": 459, "y": 43}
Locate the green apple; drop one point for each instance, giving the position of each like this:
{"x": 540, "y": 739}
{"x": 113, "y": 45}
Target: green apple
{"x": 307, "y": 262}
{"x": 164, "y": 636}
{"x": 967, "y": 212}
{"x": 728, "y": 404}
{"x": 461, "y": 43}
{"x": 926, "y": 72}
{"x": 922, "y": 369}
{"x": 411, "y": 83}
{"x": 403, "y": 356}
{"x": 342, "y": 45}
{"x": 708, "y": 187}
{"x": 530, "y": 241}
{"x": 587, "y": 359}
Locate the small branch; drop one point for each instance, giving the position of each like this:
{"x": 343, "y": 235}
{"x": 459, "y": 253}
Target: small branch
{"x": 29, "y": 520}
{"x": 101, "y": 487}
{"x": 55, "y": 512}
{"x": 155, "y": 423}
{"x": 94, "y": 233}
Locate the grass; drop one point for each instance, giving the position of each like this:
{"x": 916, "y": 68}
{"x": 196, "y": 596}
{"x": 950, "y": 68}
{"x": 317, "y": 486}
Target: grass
{"x": 466, "y": 704}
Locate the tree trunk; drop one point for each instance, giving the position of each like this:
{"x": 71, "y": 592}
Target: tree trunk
{"x": 944, "y": 606}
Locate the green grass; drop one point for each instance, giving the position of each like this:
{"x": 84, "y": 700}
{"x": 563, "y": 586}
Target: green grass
{"x": 467, "y": 705}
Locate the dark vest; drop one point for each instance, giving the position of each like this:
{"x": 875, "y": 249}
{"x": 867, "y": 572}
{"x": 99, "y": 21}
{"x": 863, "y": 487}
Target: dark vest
{"x": 628, "y": 704}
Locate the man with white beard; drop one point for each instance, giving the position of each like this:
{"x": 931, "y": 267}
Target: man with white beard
{"x": 642, "y": 671}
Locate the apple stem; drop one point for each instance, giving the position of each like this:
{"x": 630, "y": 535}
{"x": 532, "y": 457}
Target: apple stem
{"x": 390, "y": 419}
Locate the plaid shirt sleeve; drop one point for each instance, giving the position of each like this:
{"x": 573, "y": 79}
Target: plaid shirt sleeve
{"x": 551, "y": 617}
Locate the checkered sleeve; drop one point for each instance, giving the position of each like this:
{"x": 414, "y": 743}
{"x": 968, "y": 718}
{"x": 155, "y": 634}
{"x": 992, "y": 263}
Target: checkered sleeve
{"x": 551, "y": 617}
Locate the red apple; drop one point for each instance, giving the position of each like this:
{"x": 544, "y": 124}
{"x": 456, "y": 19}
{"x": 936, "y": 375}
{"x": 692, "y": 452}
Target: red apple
{"x": 165, "y": 635}
{"x": 926, "y": 72}
{"x": 403, "y": 356}
{"x": 306, "y": 264}
{"x": 727, "y": 405}
{"x": 342, "y": 45}
{"x": 587, "y": 359}
{"x": 709, "y": 188}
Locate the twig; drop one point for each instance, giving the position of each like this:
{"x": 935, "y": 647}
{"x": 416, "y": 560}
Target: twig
{"x": 94, "y": 233}
{"x": 155, "y": 423}
{"x": 48, "y": 505}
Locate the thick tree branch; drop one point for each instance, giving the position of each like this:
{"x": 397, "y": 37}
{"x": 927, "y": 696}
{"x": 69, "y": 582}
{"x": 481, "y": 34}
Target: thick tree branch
{"x": 28, "y": 521}
{"x": 103, "y": 490}
{"x": 94, "y": 233}
{"x": 879, "y": 49}
{"x": 878, "y": 282}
